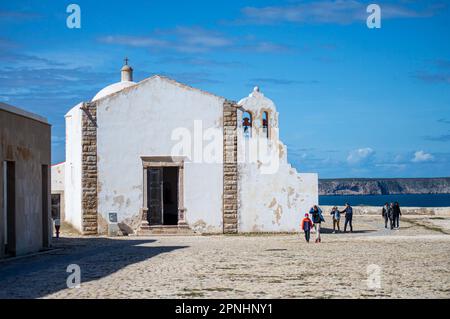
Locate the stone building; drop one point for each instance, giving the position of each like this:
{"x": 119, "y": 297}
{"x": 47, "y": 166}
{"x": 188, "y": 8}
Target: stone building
{"x": 159, "y": 156}
{"x": 25, "y": 223}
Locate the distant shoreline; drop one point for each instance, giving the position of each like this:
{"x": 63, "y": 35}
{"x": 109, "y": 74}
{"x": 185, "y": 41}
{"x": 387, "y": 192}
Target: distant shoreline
{"x": 384, "y": 186}
{"x": 340, "y": 195}
{"x": 405, "y": 200}
{"x": 382, "y": 178}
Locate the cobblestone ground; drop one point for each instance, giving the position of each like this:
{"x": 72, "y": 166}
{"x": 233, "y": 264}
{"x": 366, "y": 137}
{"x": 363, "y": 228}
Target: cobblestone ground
{"x": 414, "y": 261}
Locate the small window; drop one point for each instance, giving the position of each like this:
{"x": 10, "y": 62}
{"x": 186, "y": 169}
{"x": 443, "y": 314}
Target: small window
{"x": 247, "y": 124}
{"x": 265, "y": 124}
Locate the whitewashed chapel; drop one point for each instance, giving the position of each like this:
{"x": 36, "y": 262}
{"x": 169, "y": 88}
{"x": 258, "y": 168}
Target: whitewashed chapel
{"x": 159, "y": 156}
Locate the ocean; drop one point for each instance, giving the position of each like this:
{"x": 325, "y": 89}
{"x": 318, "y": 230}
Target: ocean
{"x": 409, "y": 200}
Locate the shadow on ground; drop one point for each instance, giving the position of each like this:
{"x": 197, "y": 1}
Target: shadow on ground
{"x": 324, "y": 230}
{"x": 39, "y": 276}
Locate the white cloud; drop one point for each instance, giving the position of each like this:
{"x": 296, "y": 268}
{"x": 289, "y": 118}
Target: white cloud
{"x": 398, "y": 158}
{"x": 391, "y": 166}
{"x": 192, "y": 40}
{"x": 133, "y": 41}
{"x": 181, "y": 39}
{"x": 360, "y": 155}
{"x": 330, "y": 11}
{"x": 421, "y": 156}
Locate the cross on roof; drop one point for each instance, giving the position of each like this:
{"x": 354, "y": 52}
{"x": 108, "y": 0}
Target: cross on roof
{"x": 126, "y": 60}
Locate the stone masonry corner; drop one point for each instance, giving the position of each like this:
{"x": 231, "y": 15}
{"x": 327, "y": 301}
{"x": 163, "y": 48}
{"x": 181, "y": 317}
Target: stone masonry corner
{"x": 230, "y": 169}
{"x": 89, "y": 203}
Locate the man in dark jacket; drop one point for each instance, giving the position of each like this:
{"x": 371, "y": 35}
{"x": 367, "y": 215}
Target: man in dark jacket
{"x": 348, "y": 217}
{"x": 317, "y": 219}
{"x": 397, "y": 214}
{"x": 385, "y": 214}
{"x": 391, "y": 214}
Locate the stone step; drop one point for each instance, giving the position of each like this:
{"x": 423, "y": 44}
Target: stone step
{"x": 146, "y": 230}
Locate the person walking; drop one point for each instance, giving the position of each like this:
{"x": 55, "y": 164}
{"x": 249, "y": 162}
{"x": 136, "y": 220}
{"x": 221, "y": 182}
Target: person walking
{"x": 385, "y": 214}
{"x": 348, "y": 217}
{"x": 397, "y": 214}
{"x": 317, "y": 219}
{"x": 306, "y": 227}
{"x": 57, "y": 222}
{"x": 336, "y": 214}
{"x": 391, "y": 214}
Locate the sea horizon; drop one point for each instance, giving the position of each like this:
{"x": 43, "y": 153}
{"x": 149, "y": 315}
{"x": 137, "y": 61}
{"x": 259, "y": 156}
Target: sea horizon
{"x": 405, "y": 200}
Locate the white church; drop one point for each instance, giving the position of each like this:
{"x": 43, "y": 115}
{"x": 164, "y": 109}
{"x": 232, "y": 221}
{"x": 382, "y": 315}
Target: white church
{"x": 159, "y": 156}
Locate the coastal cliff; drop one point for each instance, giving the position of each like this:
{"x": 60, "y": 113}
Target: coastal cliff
{"x": 387, "y": 186}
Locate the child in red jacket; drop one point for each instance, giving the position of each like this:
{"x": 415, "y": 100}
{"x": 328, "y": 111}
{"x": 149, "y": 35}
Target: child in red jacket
{"x": 306, "y": 227}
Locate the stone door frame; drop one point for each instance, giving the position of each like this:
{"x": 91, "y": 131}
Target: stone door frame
{"x": 161, "y": 162}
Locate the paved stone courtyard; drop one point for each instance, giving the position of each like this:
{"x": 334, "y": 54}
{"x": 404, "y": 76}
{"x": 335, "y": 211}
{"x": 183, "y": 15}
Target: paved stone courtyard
{"x": 414, "y": 261}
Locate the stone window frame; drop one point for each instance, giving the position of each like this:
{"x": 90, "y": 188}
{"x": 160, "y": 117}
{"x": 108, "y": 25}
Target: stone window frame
{"x": 161, "y": 162}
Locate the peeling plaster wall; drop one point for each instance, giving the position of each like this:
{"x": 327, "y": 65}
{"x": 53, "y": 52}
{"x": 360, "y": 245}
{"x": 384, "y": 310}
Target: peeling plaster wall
{"x": 203, "y": 191}
{"x": 26, "y": 142}
{"x": 139, "y": 121}
{"x": 270, "y": 200}
{"x": 58, "y": 178}
{"x": 274, "y": 202}
{"x": 73, "y": 167}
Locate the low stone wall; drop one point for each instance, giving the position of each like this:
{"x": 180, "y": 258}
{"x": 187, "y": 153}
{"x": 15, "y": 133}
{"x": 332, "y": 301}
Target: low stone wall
{"x": 373, "y": 210}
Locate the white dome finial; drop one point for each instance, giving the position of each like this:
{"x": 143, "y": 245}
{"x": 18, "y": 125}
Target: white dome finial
{"x": 127, "y": 72}
{"x": 256, "y": 92}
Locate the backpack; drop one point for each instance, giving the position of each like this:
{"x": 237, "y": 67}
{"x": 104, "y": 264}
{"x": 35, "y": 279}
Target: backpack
{"x": 317, "y": 217}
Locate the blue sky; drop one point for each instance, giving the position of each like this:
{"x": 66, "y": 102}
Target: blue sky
{"x": 353, "y": 101}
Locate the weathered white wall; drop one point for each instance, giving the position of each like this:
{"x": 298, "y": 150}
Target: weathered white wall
{"x": 203, "y": 197}
{"x": 57, "y": 186}
{"x": 139, "y": 121}
{"x": 58, "y": 178}
{"x": 73, "y": 167}
{"x": 25, "y": 140}
{"x": 273, "y": 197}
{"x": 274, "y": 202}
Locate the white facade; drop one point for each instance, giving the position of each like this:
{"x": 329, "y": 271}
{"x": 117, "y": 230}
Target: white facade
{"x": 145, "y": 121}
{"x": 138, "y": 123}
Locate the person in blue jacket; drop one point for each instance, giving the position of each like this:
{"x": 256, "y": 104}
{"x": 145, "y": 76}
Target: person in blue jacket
{"x": 336, "y": 214}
